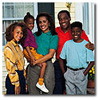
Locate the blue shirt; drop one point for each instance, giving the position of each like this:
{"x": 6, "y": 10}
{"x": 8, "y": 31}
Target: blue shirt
{"x": 45, "y": 42}
{"x": 76, "y": 54}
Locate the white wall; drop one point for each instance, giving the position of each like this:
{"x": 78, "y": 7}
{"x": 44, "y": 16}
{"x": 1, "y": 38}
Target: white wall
{"x": 86, "y": 16}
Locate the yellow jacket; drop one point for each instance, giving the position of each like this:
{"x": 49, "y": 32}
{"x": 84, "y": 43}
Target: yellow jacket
{"x": 14, "y": 61}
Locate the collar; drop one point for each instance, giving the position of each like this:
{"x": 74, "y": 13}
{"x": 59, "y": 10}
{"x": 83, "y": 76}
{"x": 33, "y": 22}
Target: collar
{"x": 58, "y": 29}
{"x": 15, "y": 44}
{"x": 48, "y": 33}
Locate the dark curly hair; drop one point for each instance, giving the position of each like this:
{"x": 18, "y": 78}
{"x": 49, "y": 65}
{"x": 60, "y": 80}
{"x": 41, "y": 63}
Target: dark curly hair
{"x": 49, "y": 18}
{"x": 10, "y": 30}
{"x": 27, "y": 16}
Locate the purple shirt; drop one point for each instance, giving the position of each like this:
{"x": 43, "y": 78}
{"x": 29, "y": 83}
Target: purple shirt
{"x": 30, "y": 40}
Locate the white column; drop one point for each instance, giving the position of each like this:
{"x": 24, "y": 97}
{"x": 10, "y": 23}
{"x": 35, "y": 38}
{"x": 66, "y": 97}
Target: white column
{"x": 78, "y": 12}
{"x": 35, "y": 15}
{"x": 91, "y": 22}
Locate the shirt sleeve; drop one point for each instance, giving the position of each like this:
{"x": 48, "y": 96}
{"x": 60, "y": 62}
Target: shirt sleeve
{"x": 54, "y": 42}
{"x": 84, "y": 36}
{"x": 11, "y": 66}
{"x": 90, "y": 56}
{"x": 63, "y": 52}
{"x": 26, "y": 41}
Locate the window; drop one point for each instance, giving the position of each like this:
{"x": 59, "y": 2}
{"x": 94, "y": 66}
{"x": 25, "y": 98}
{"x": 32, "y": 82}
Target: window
{"x": 13, "y": 12}
{"x": 17, "y": 10}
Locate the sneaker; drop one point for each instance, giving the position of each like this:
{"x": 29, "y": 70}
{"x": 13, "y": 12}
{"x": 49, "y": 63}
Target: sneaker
{"x": 42, "y": 87}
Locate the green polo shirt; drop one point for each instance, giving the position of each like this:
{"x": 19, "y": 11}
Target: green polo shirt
{"x": 45, "y": 42}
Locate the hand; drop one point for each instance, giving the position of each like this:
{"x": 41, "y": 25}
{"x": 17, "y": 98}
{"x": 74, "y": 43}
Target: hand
{"x": 84, "y": 73}
{"x": 40, "y": 65}
{"x": 63, "y": 72}
{"x": 90, "y": 46}
{"x": 17, "y": 90}
{"x": 35, "y": 62}
{"x": 26, "y": 88}
{"x": 32, "y": 60}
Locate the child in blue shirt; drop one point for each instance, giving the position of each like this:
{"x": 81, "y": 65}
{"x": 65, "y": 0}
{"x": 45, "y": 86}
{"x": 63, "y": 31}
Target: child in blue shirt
{"x": 79, "y": 62}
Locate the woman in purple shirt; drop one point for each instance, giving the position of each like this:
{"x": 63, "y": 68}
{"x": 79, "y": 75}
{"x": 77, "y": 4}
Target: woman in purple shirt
{"x": 29, "y": 50}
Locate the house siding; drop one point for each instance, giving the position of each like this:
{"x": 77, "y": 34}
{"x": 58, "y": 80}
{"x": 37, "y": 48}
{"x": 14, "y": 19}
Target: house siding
{"x": 4, "y": 73}
{"x": 62, "y": 6}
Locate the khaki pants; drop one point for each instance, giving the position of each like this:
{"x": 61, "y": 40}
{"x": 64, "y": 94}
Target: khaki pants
{"x": 33, "y": 76}
{"x": 76, "y": 82}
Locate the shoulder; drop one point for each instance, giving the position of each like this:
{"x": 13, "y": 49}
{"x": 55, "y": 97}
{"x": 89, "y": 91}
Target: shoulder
{"x": 8, "y": 44}
{"x": 83, "y": 33}
{"x": 29, "y": 31}
{"x": 7, "y": 47}
{"x": 55, "y": 37}
{"x": 85, "y": 42}
{"x": 69, "y": 41}
{"x": 57, "y": 29}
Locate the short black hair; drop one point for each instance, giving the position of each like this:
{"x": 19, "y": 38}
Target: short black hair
{"x": 76, "y": 24}
{"x": 64, "y": 11}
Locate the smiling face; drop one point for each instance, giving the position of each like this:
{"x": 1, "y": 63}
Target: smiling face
{"x": 76, "y": 34}
{"x": 30, "y": 23}
{"x": 17, "y": 33}
{"x": 44, "y": 24}
{"x": 64, "y": 21}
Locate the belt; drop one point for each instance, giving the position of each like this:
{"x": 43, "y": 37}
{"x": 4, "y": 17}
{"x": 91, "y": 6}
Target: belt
{"x": 75, "y": 69}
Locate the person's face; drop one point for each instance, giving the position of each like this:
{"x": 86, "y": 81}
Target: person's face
{"x": 17, "y": 33}
{"x": 30, "y": 23}
{"x": 44, "y": 24}
{"x": 64, "y": 21}
{"x": 76, "y": 33}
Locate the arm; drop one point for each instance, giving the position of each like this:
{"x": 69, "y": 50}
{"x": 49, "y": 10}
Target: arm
{"x": 46, "y": 57}
{"x": 61, "y": 65}
{"x": 88, "y": 68}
